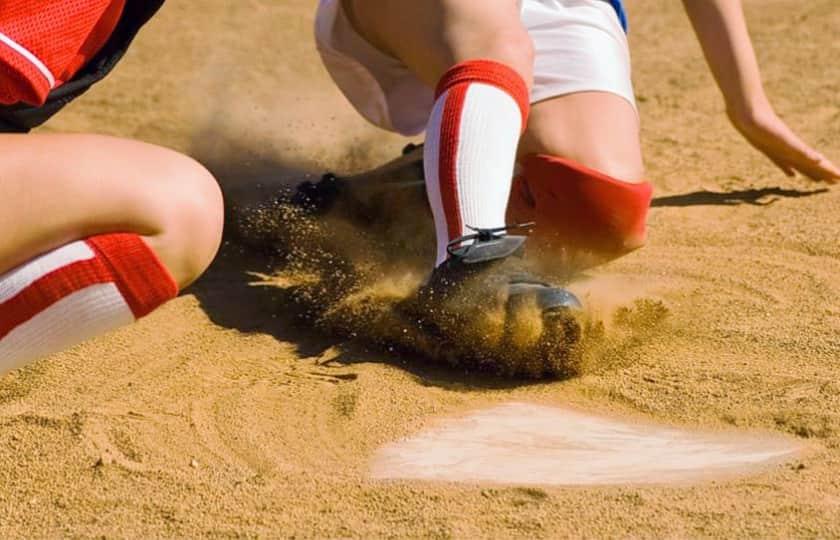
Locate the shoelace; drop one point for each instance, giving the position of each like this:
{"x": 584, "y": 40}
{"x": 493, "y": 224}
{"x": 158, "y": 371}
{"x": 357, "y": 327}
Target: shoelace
{"x": 486, "y": 235}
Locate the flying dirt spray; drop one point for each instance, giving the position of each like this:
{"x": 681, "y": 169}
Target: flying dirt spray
{"x": 353, "y": 252}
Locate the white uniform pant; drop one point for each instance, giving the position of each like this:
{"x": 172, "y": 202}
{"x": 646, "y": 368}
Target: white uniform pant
{"x": 580, "y": 46}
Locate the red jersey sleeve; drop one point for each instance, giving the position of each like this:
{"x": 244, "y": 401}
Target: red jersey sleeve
{"x": 44, "y": 43}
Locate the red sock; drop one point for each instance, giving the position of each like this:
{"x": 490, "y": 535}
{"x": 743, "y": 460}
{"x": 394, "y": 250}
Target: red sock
{"x": 77, "y": 292}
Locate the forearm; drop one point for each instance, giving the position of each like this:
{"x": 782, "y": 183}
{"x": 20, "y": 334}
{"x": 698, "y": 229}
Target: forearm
{"x": 722, "y": 31}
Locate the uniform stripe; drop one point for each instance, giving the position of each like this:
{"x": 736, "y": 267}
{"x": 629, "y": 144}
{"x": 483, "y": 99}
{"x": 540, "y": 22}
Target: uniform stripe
{"x": 618, "y": 6}
{"x": 82, "y": 315}
{"x": 450, "y": 133}
{"x": 20, "y": 278}
{"x": 29, "y": 57}
{"x": 143, "y": 280}
{"x": 78, "y": 292}
{"x": 490, "y": 73}
{"x": 431, "y": 165}
{"x": 49, "y": 289}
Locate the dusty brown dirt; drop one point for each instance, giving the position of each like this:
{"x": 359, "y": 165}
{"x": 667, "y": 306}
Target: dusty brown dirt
{"x": 218, "y": 416}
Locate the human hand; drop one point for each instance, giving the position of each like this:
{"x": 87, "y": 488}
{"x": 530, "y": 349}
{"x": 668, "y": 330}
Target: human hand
{"x": 769, "y": 134}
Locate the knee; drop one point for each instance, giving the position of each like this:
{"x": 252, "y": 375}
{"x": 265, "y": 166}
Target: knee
{"x": 512, "y": 46}
{"x": 620, "y": 160}
{"x": 579, "y": 208}
{"x": 598, "y": 130}
{"x": 492, "y": 35}
{"x": 192, "y": 220}
{"x": 622, "y": 166}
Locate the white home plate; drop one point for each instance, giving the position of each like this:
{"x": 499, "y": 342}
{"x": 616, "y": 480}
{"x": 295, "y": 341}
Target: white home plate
{"x": 518, "y": 443}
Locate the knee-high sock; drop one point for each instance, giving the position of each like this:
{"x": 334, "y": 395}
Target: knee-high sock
{"x": 76, "y": 292}
{"x": 471, "y": 140}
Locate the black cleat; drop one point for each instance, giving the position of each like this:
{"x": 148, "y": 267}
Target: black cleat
{"x": 490, "y": 274}
{"x": 494, "y": 259}
{"x": 318, "y": 197}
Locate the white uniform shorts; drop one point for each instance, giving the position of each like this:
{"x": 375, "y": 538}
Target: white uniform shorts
{"x": 580, "y": 46}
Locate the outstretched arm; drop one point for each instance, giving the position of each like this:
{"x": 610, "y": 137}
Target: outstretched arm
{"x": 722, "y": 31}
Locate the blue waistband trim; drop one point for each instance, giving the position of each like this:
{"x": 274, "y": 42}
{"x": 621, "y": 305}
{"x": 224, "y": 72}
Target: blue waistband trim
{"x": 622, "y": 14}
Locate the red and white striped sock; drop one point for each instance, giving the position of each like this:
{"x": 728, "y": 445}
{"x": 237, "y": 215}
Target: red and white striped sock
{"x": 471, "y": 140}
{"x": 76, "y": 292}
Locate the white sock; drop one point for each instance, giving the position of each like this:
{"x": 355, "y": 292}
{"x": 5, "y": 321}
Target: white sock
{"x": 470, "y": 150}
{"x": 76, "y": 292}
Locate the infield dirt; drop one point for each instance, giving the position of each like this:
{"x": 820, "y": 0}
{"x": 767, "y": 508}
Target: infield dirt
{"x": 223, "y": 415}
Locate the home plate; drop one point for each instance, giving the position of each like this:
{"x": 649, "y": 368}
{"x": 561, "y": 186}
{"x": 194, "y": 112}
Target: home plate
{"x": 517, "y": 443}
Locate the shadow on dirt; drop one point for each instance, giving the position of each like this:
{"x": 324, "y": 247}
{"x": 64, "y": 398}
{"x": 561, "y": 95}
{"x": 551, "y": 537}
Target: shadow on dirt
{"x": 754, "y": 197}
{"x": 234, "y": 297}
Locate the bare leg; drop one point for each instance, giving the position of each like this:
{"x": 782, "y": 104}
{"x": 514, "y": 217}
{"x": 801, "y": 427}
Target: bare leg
{"x": 431, "y": 36}
{"x": 55, "y": 189}
{"x": 596, "y": 129}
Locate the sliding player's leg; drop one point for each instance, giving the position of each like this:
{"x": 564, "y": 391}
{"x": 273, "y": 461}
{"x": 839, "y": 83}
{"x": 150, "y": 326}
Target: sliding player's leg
{"x": 479, "y": 58}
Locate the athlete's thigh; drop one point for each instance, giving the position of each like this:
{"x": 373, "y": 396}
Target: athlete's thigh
{"x": 56, "y": 189}
{"x": 596, "y": 129}
{"x": 432, "y": 35}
